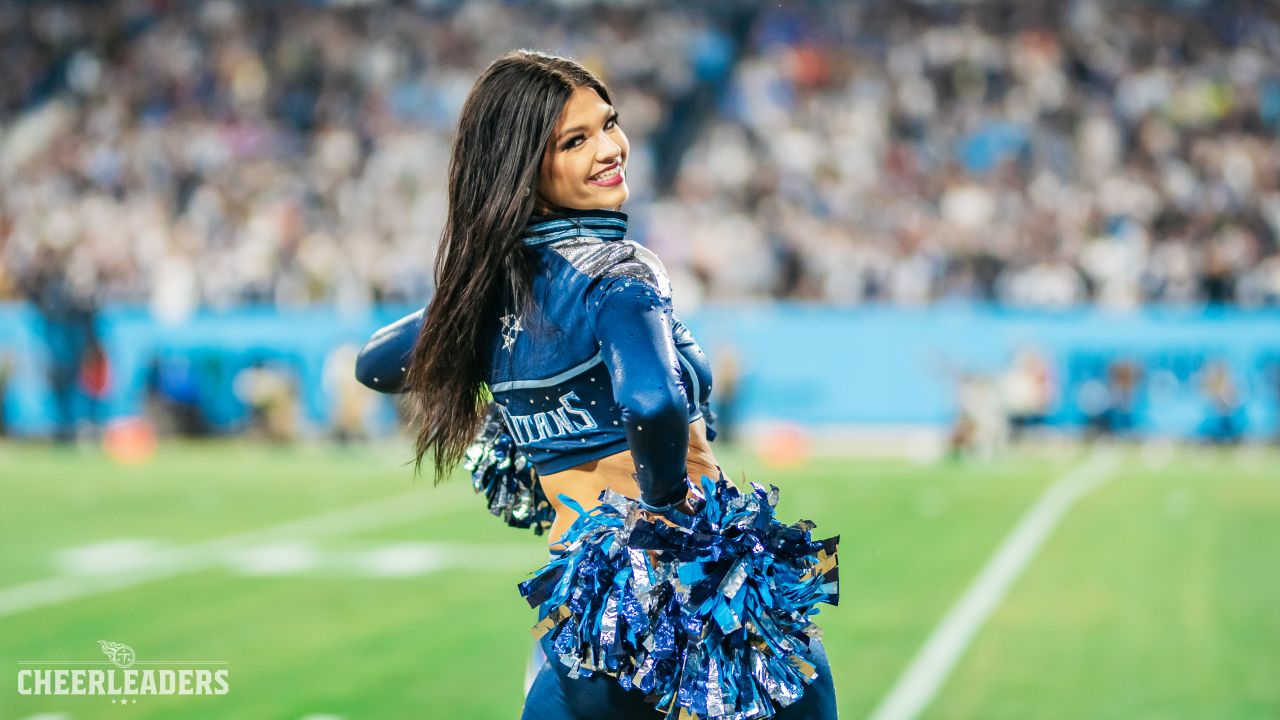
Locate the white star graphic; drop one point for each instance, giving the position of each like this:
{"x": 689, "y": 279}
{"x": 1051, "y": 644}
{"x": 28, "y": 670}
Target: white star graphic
{"x": 510, "y": 328}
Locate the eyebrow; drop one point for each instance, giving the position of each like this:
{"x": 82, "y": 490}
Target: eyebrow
{"x": 579, "y": 128}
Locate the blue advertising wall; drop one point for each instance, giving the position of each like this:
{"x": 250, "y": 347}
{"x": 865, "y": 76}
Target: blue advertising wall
{"x": 811, "y": 365}
{"x": 869, "y": 366}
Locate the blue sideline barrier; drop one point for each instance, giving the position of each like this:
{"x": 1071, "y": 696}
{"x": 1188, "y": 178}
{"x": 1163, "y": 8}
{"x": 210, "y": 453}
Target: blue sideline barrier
{"x": 812, "y": 365}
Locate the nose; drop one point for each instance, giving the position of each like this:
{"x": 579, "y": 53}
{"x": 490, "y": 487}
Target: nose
{"x": 608, "y": 152}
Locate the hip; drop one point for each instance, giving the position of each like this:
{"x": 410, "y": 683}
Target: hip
{"x": 616, "y": 472}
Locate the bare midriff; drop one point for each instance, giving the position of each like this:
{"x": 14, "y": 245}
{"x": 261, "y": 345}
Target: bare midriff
{"x": 585, "y": 482}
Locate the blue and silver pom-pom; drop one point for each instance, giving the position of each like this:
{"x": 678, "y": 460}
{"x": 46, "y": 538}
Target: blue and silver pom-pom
{"x": 709, "y": 616}
{"x": 503, "y": 474}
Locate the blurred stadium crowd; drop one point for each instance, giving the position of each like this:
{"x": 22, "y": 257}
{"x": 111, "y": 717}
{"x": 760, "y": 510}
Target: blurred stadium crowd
{"x": 1032, "y": 153}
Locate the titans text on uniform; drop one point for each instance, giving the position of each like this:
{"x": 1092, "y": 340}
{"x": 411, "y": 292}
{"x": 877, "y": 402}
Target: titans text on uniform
{"x": 551, "y": 423}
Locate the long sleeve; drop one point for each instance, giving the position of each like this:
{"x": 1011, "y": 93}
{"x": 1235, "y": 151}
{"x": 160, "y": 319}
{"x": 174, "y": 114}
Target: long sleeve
{"x": 384, "y": 360}
{"x": 634, "y": 327}
{"x": 699, "y": 368}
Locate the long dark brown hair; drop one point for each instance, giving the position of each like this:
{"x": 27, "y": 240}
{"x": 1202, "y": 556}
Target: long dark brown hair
{"x": 483, "y": 269}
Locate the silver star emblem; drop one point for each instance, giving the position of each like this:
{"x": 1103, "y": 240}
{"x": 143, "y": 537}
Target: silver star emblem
{"x": 510, "y": 327}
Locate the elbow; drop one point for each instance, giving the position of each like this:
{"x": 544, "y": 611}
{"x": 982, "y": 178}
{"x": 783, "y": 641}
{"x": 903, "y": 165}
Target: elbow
{"x": 383, "y": 361}
{"x": 376, "y": 371}
{"x": 659, "y": 408}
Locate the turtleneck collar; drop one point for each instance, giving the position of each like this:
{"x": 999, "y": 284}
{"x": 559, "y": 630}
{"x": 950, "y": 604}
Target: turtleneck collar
{"x": 603, "y": 224}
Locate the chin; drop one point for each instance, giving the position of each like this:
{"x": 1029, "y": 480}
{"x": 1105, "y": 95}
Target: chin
{"x": 612, "y": 198}
{"x": 602, "y": 199}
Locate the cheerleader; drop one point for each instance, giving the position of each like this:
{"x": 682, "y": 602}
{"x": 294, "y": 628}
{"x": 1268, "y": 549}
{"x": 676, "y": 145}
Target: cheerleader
{"x": 669, "y": 588}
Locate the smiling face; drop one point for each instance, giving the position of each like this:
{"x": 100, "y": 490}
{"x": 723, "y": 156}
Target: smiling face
{"x": 582, "y": 166}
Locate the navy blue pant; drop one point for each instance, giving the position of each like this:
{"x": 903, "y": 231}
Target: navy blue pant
{"x": 555, "y": 696}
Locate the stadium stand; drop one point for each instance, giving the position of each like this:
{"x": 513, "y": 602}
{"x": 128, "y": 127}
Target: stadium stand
{"x": 1030, "y": 153}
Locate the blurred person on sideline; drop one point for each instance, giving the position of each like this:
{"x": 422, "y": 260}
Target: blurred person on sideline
{"x": 6, "y": 373}
{"x": 1124, "y": 382}
{"x": 269, "y": 392}
{"x": 350, "y": 401}
{"x": 173, "y": 396}
{"x": 981, "y": 426}
{"x": 1028, "y": 389}
{"x": 1109, "y": 404}
{"x": 544, "y": 306}
{"x": 1273, "y": 373}
{"x": 728, "y": 374}
{"x": 68, "y": 318}
{"x": 1224, "y": 422}
{"x": 96, "y": 382}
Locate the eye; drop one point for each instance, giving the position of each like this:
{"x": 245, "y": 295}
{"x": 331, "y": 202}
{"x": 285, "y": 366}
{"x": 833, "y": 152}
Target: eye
{"x": 573, "y": 142}
{"x": 612, "y": 122}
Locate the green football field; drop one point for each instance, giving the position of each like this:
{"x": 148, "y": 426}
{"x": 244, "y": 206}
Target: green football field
{"x": 330, "y": 583}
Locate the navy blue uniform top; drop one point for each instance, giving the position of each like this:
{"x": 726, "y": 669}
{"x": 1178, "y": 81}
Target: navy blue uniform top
{"x": 601, "y": 366}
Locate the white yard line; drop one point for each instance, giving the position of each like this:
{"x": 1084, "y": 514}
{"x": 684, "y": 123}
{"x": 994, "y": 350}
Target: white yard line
{"x": 917, "y": 686}
{"x": 368, "y": 516}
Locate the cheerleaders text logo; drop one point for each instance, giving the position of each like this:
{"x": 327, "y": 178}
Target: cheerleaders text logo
{"x": 126, "y": 679}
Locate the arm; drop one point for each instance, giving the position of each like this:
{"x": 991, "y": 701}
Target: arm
{"x": 634, "y": 326}
{"x": 700, "y": 367}
{"x": 688, "y": 346}
{"x": 384, "y": 360}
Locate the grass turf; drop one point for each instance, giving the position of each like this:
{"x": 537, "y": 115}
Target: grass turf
{"x": 1153, "y": 598}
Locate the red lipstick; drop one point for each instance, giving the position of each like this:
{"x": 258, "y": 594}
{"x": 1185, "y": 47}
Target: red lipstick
{"x": 609, "y": 181}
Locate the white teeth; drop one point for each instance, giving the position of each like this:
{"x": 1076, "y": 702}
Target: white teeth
{"x": 607, "y": 174}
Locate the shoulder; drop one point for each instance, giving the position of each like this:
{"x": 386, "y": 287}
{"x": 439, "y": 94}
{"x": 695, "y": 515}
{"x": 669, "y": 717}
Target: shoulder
{"x": 643, "y": 266}
{"x": 609, "y": 262}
